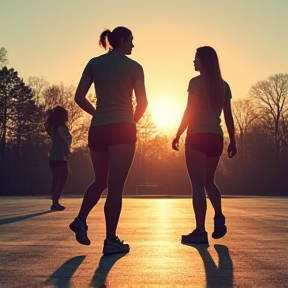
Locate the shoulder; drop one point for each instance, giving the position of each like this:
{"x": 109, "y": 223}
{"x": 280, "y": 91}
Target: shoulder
{"x": 195, "y": 80}
{"x": 96, "y": 59}
{"x": 100, "y": 58}
{"x": 226, "y": 84}
{"x": 133, "y": 63}
{"x": 228, "y": 90}
{"x": 63, "y": 129}
{"x": 134, "y": 68}
{"x": 195, "y": 84}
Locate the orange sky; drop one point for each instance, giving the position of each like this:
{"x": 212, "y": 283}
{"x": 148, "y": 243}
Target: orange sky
{"x": 55, "y": 39}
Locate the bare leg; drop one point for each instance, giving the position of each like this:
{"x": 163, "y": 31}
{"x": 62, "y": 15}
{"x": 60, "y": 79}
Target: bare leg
{"x": 120, "y": 160}
{"x": 55, "y": 180}
{"x": 196, "y": 166}
{"x": 63, "y": 173}
{"x": 56, "y": 175}
{"x": 212, "y": 190}
{"x": 96, "y": 188}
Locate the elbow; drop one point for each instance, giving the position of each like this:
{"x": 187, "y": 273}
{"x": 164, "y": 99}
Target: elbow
{"x": 77, "y": 98}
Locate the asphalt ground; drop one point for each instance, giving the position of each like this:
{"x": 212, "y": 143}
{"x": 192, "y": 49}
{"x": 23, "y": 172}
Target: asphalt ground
{"x": 37, "y": 249}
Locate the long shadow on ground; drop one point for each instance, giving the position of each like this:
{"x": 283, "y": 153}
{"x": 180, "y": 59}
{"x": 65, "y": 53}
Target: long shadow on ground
{"x": 22, "y": 217}
{"x": 221, "y": 276}
{"x": 61, "y": 277}
{"x": 105, "y": 265}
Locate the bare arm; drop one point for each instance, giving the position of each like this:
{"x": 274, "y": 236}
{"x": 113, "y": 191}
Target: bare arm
{"x": 80, "y": 95}
{"x": 63, "y": 135}
{"x": 141, "y": 98}
{"x": 232, "y": 150}
{"x": 186, "y": 119}
{"x": 142, "y": 104}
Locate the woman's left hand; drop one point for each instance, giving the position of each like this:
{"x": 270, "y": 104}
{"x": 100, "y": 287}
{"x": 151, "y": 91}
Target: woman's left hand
{"x": 175, "y": 144}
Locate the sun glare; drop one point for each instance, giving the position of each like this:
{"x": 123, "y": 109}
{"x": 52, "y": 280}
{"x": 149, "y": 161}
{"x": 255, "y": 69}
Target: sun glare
{"x": 166, "y": 113}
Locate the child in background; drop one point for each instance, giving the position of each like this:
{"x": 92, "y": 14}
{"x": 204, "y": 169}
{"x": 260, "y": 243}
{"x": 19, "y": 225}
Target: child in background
{"x": 61, "y": 139}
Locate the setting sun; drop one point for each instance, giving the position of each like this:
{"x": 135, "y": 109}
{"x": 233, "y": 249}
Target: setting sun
{"x": 166, "y": 113}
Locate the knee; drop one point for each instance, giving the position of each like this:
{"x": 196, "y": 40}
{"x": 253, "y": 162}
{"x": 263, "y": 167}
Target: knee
{"x": 209, "y": 184}
{"x": 198, "y": 191}
{"x": 100, "y": 184}
{"x": 211, "y": 187}
{"x": 116, "y": 185}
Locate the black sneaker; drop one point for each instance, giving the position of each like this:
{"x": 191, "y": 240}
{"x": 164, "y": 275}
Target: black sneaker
{"x": 57, "y": 207}
{"x": 220, "y": 228}
{"x": 115, "y": 247}
{"x": 197, "y": 237}
{"x": 80, "y": 229}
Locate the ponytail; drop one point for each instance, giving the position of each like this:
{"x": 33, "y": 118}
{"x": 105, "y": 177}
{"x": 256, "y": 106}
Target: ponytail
{"x": 112, "y": 39}
{"x": 103, "y": 38}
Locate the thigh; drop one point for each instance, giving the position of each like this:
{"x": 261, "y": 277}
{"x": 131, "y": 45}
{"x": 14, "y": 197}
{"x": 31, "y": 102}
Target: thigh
{"x": 214, "y": 145}
{"x": 97, "y": 139}
{"x": 196, "y": 166}
{"x": 120, "y": 160}
{"x": 100, "y": 165}
{"x": 211, "y": 166}
{"x": 64, "y": 171}
{"x": 57, "y": 164}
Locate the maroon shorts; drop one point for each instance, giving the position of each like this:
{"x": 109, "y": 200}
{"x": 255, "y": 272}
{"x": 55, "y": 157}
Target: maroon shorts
{"x": 57, "y": 163}
{"x": 210, "y": 144}
{"x": 101, "y": 137}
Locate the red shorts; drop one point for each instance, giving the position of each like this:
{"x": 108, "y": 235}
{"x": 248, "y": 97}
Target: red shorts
{"x": 210, "y": 144}
{"x": 101, "y": 137}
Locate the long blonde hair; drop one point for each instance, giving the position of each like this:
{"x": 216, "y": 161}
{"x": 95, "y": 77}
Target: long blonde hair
{"x": 215, "y": 86}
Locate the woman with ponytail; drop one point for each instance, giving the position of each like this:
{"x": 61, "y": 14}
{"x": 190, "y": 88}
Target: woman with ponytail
{"x": 112, "y": 134}
{"x": 56, "y": 128}
{"x": 208, "y": 96}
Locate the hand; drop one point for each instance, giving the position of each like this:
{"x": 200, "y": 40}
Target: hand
{"x": 232, "y": 150}
{"x": 67, "y": 153}
{"x": 175, "y": 144}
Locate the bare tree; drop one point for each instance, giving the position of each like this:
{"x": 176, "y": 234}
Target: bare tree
{"x": 271, "y": 96}
{"x": 3, "y": 57}
{"x": 146, "y": 131}
{"x": 244, "y": 113}
{"x": 51, "y": 96}
{"x": 37, "y": 84}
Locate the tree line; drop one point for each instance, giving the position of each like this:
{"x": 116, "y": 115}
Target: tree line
{"x": 259, "y": 168}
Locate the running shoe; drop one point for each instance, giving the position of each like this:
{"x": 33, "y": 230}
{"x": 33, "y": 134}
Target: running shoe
{"x": 80, "y": 229}
{"x": 57, "y": 207}
{"x": 196, "y": 236}
{"x": 114, "y": 247}
{"x": 220, "y": 228}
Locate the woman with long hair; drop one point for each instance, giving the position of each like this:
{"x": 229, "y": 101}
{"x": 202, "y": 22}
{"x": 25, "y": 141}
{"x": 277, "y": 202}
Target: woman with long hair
{"x": 61, "y": 138}
{"x": 112, "y": 134}
{"x": 208, "y": 96}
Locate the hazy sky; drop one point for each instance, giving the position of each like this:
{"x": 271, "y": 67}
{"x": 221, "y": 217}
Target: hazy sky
{"x": 56, "y": 38}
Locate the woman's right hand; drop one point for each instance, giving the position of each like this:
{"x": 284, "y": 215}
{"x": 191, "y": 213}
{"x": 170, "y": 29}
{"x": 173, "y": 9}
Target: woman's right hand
{"x": 232, "y": 150}
{"x": 175, "y": 144}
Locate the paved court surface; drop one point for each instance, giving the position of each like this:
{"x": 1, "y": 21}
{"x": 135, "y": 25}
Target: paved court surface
{"x": 37, "y": 249}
